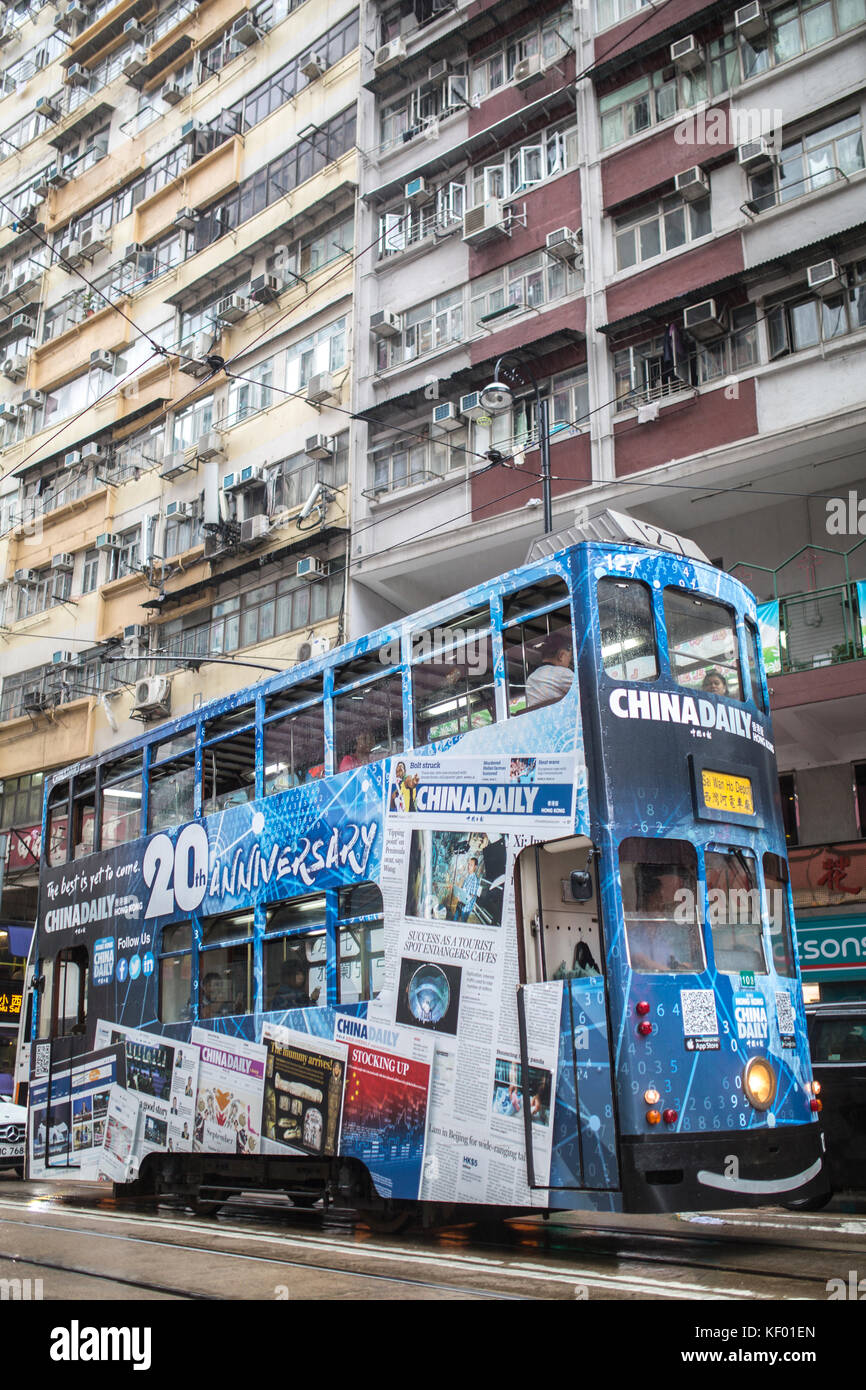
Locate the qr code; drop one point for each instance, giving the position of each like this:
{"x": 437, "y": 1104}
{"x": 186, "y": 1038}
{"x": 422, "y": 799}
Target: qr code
{"x": 785, "y": 1014}
{"x": 699, "y": 1013}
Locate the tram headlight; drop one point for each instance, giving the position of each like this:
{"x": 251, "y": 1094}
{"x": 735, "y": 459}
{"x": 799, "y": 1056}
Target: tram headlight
{"x": 816, "y": 1088}
{"x": 759, "y": 1083}
{"x": 651, "y": 1096}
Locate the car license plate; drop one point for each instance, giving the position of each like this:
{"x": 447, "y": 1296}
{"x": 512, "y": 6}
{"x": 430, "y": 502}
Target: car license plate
{"x": 11, "y": 1150}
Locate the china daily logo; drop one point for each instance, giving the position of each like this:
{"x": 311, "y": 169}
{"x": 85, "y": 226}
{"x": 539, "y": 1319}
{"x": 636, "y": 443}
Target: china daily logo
{"x": 77, "y": 1343}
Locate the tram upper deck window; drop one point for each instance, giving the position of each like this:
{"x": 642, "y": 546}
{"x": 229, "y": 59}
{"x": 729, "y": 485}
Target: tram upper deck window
{"x": 226, "y": 965}
{"x": 175, "y": 973}
{"x": 171, "y": 782}
{"x": 361, "y": 943}
{"x": 702, "y": 641}
{"x": 295, "y": 953}
{"x": 453, "y": 688}
{"x": 83, "y": 814}
{"x": 734, "y": 911}
{"x": 539, "y": 645}
{"x": 752, "y": 655}
{"x": 659, "y": 880}
{"x": 121, "y": 801}
{"x": 229, "y": 760}
{"x": 625, "y": 619}
{"x": 58, "y": 824}
{"x": 294, "y": 747}
{"x": 776, "y": 887}
{"x": 368, "y": 719}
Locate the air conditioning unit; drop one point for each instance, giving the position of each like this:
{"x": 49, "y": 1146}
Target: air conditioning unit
{"x": 23, "y": 325}
{"x": 528, "y": 70}
{"x": 311, "y": 567}
{"x": 101, "y": 360}
{"x": 107, "y": 541}
{"x": 174, "y": 464}
{"x": 63, "y": 658}
{"x": 190, "y": 131}
{"x": 445, "y": 416}
{"x": 484, "y": 223}
{"x": 471, "y": 407}
{"x": 692, "y": 183}
{"x": 136, "y": 633}
{"x": 55, "y": 177}
{"x": 687, "y": 53}
{"x": 321, "y": 387}
{"x": 438, "y": 70}
{"x": 750, "y": 21}
{"x": 74, "y": 13}
{"x": 34, "y": 699}
{"x": 134, "y": 63}
{"x": 320, "y": 446}
{"x": 8, "y": 412}
{"x": 244, "y": 30}
{"x": 91, "y": 452}
{"x": 826, "y": 278}
{"x": 133, "y": 251}
{"x": 755, "y": 154}
{"x": 171, "y": 94}
{"x": 34, "y": 400}
{"x": 704, "y": 321}
{"x": 26, "y": 576}
{"x": 152, "y": 697}
{"x": 15, "y": 368}
{"x": 77, "y": 76}
{"x": 418, "y": 191}
{"x": 41, "y": 187}
{"x": 65, "y": 560}
{"x": 72, "y": 459}
{"x": 185, "y": 220}
{"x": 264, "y": 289}
{"x": 254, "y": 529}
{"x": 48, "y": 108}
{"x": 133, "y": 30}
{"x": 29, "y": 217}
{"x": 565, "y": 244}
{"x": 252, "y": 475}
{"x": 70, "y": 252}
{"x": 389, "y": 56}
{"x": 233, "y": 308}
{"x": 179, "y": 511}
{"x": 386, "y": 324}
{"x": 209, "y": 445}
{"x": 314, "y": 65}
{"x": 192, "y": 353}
{"x": 94, "y": 239}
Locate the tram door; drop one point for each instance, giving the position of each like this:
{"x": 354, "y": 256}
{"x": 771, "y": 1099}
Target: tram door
{"x": 563, "y": 1018}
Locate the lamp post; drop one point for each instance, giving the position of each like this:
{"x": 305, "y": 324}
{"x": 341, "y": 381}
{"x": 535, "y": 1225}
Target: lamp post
{"x": 499, "y": 397}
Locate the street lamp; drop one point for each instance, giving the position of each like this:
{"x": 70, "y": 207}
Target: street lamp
{"x": 498, "y": 397}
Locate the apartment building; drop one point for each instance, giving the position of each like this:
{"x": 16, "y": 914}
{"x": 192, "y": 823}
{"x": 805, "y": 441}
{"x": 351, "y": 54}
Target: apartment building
{"x": 662, "y": 211}
{"x": 177, "y": 231}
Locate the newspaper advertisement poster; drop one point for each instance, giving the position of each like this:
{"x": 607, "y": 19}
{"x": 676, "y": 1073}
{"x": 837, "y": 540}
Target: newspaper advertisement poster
{"x": 500, "y": 792}
{"x": 304, "y": 1083}
{"x": 68, "y": 1133}
{"x": 119, "y": 1160}
{"x": 162, "y": 1073}
{"x": 48, "y": 1126}
{"x": 231, "y": 1080}
{"x": 91, "y": 1081}
{"x": 385, "y": 1105}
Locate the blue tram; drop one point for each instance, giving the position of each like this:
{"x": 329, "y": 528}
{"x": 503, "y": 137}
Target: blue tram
{"x": 490, "y": 907}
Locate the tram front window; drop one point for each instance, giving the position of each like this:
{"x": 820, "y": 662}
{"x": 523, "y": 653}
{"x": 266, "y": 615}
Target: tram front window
{"x": 734, "y": 912}
{"x": 659, "y": 881}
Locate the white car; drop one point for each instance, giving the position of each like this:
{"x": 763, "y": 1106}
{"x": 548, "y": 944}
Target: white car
{"x": 13, "y": 1126}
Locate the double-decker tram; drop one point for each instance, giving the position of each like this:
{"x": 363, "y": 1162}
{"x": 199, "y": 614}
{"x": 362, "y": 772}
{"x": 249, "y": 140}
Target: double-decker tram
{"x": 489, "y": 907}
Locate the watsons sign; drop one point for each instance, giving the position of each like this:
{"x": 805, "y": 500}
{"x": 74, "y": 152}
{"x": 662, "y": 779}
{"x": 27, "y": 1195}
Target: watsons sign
{"x": 665, "y": 707}
{"x": 832, "y": 947}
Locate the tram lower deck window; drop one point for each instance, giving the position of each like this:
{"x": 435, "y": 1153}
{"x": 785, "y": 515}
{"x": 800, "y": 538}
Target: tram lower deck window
{"x": 295, "y": 954}
{"x": 778, "y": 916}
{"x": 226, "y": 965}
{"x": 361, "y": 943}
{"x": 659, "y": 881}
{"x": 734, "y": 911}
{"x": 175, "y": 973}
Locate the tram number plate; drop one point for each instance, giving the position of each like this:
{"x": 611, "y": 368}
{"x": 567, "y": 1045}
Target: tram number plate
{"x": 722, "y": 792}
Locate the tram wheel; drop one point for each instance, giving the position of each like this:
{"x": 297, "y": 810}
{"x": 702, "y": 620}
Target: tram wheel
{"x": 809, "y": 1203}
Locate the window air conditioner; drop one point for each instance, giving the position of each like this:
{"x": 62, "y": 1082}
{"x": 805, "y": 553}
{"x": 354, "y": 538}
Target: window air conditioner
{"x": 63, "y": 658}
{"x": 55, "y": 177}
{"x": 319, "y": 446}
{"x": 8, "y": 412}
{"x": 178, "y": 511}
{"x": 70, "y": 252}
{"x": 687, "y": 53}
{"x": 186, "y": 219}
{"x": 826, "y": 278}
{"x": 528, "y": 70}
{"x": 65, "y": 560}
{"x": 264, "y": 289}
{"x": 438, "y": 70}
{"x": 26, "y": 576}
{"x": 107, "y": 541}
{"x": 704, "y": 321}
{"x": 244, "y": 30}
{"x": 750, "y": 21}
{"x": 565, "y": 244}
{"x": 311, "y": 567}
{"x": 15, "y": 368}
{"x": 173, "y": 465}
{"x": 471, "y": 407}
{"x": 77, "y": 76}
{"x": 101, "y": 360}
{"x": 94, "y": 239}
{"x": 254, "y": 529}
{"x": 484, "y": 223}
{"x": 134, "y": 63}
{"x": 233, "y": 308}
{"x": 48, "y": 108}
{"x": 314, "y": 65}
{"x": 418, "y": 191}
{"x": 192, "y": 353}
{"x": 692, "y": 183}
{"x": 389, "y": 56}
{"x": 386, "y": 324}
{"x": 445, "y": 416}
{"x": 34, "y": 400}
{"x": 171, "y": 94}
{"x": 91, "y": 452}
{"x": 23, "y": 324}
{"x": 755, "y": 154}
{"x": 133, "y": 30}
{"x": 209, "y": 445}
{"x": 72, "y": 459}
{"x": 321, "y": 387}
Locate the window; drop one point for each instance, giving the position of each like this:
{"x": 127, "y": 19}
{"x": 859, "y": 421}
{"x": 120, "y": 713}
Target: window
{"x": 294, "y": 742}
{"x": 229, "y": 760}
{"x": 778, "y": 916}
{"x": 253, "y": 394}
{"x": 659, "y": 227}
{"x": 361, "y": 943}
{"x": 809, "y": 163}
{"x": 859, "y": 770}
{"x": 608, "y": 12}
{"x": 625, "y": 620}
{"x": 171, "y": 782}
{"x": 521, "y": 167}
{"x": 291, "y": 481}
{"x": 528, "y": 283}
{"x": 127, "y": 558}
{"x": 795, "y": 28}
{"x": 702, "y": 643}
{"x": 734, "y": 911}
{"x": 175, "y": 973}
{"x": 49, "y": 587}
{"x": 226, "y": 965}
{"x": 838, "y": 1039}
{"x": 190, "y": 424}
{"x": 58, "y": 824}
{"x": 669, "y": 362}
{"x": 417, "y": 109}
{"x": 550, "y": 38}
{"x": 368, "y": 720}
{"x": 539, "y": 645}
{"x": 295, "y": 954}
{"x": 83, "y": 814}
{"x": 453, "y": 686}
{"x": 90, "y": 571}
{"x": 803, "y": 321}
{"x": 181, "y": 533}
{"x": 315, "y": 249}
{"x": 427, "y": 327}
{"x": 400, "y": 462}
{"x": 121, "y": 801}
{"x": 659, "y": 880}
{"x": 21, "y": 801}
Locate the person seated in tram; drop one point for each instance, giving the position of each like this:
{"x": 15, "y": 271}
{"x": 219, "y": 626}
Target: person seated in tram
{"x": 715, "y": 683}
{"x": 551, "y": 680}
{"x": 362, "y": 748}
